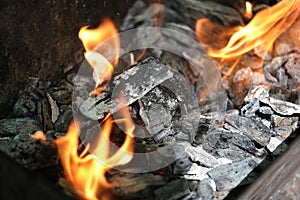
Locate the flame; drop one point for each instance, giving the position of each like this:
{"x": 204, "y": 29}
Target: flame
{"x": 259, "y": 34}
{"x": 265, "y": 27}
{"x": 86, "y": 171}
{"x": 103, "y": 70}
{"x": 39, "y": 135}
{"x": 248, "y": 13}
{"x": 90, "y": 38}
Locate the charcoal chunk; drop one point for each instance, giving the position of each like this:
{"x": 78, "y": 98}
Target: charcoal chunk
{"x": 11, "y": 126}
{"x": 230, "y": 175}
{"x": 251, "y": 127}
{"x": 173, "y": 190}
{"x": 25, "y": 106}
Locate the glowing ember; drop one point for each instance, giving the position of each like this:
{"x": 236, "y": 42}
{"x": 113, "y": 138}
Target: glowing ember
{"x": 263, "y": 29}
{"x": 86, "y": 171}
{"x": 90, "y": 38}
{"x": 39, "y": 135}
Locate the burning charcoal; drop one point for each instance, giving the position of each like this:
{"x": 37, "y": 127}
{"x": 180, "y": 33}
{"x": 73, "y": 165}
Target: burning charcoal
{"x": 230, "y": 175}
{"x": 232, "y": 146}
{"x": 134, "y": 185}
{"x": 288, "y": 41}
{"x": 139, "y": 80}
{"x": 10, "y": 127}
{"x": 249, "y": 109}
{"x": 25, "y": 106}
{"x": 173, "y": 190}
{"x": 251, "y": 127}
{"x": 206, "y": 189}
{"x": 193, "y": 10}
{"x": 281, "y": 107}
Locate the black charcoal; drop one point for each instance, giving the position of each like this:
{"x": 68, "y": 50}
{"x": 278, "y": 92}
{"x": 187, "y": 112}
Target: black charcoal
{"x": 230, "y": 175}
{"x": 10, "y": 127}
{"x": 25, "y": 106}
{"x": 173, "y": 190}
{"x": 206, "y": 189}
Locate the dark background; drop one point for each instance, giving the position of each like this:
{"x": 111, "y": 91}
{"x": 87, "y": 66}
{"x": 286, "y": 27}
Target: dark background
{"x": 39, "y": 39}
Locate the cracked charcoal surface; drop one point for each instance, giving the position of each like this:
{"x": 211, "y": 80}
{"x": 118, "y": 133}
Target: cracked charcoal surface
{"x": 11, "y": 127}
{"x": 173, "y": 190}
{"x": 158, "y": 108}
{"x": 232, "y": 146}
{"x": 230, "y": 175}
{"x": 251, "y": 127}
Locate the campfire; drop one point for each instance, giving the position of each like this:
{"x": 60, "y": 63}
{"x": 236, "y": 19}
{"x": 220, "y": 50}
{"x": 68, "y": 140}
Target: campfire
{"x": 182, "y": 100}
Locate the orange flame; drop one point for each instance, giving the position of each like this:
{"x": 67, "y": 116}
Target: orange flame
{"x": 86, "y": 172}
{"x": 259, "y": 34}
{"x": 39, "y": 135}
{"x": 265, "y": 27}
{"x": 90, "y": 38}
{"x": 248, "y": 13}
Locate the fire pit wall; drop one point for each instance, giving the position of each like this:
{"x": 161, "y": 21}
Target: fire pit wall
{"x": 39, "y": 39}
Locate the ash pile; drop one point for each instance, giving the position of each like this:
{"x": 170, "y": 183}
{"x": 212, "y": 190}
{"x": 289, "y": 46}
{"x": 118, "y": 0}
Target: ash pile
{"x": 200, "y": 135}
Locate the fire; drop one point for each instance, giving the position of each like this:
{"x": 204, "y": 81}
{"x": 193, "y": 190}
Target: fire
{"x": 248, "y": 13}
{"x": 90, "y": 38}
{"x": 86, "y": 171}
{"x": 265, "y": 27}
{"x": 260, "y": 33}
